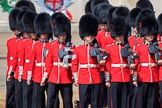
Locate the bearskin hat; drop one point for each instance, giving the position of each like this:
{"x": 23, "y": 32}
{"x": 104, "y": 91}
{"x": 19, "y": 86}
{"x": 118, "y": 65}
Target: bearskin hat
{"x": 61, "y": 25}
{"x": 28, "y": 22}
{"x": 121, "y": 12}
{"x": 146, "y": 23}
{"x": 42, "y": 24}
{"x": 101, "y": 11}
{"x": 54, "y": 15}
{"x": 119, "y": 27}
{"x": 19, "y": 21}
{"x": 26, "y": 3}
{"x": 110, "y": 17}
{"x": 132, "y": 16}
{"x": 159, "y": 20}
{"x": 144, "y": 4}
{"x": 88, "y": 26}
{"x": 12, "y": 18}
{"x": 94, "y": 3}
{"x": 88, "y": 8}
{"x": 24, "y": 8}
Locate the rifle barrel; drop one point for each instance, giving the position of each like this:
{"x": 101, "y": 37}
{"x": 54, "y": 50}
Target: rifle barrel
{"x": 159, "y": 48}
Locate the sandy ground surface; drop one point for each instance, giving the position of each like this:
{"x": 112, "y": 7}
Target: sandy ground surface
{"x": 3, "y": 38}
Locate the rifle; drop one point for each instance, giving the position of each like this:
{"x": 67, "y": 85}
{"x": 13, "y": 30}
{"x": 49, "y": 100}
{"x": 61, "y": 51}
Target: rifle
{"x": 154, "y": 49}
{"x": 64, "y": 54}
{"x": 96, "y": 52}
{"x": 126, "y": 52}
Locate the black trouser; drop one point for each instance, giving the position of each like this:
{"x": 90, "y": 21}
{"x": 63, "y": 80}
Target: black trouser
{"x": 161, "y": 92}
{"x": 103, "y": 91}
{"x": 87, "y": 90}
{"x": 148, "y": 95}
{"x": 38, "y": 100}
{"x": 18, "y": 94}
{"x": 66, "y": 93}
{"x": 10, "y": 94}
{"x": 132, "y": 96}
{"x": 27, "y": 94}
{"x": 119, "y": 94}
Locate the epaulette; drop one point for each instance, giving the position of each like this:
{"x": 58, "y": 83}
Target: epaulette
{"x": 37, "y": 42}
{"x": 140, "y": 44}
{"x": 110, "y": 45}
{"x": 11, "y": 38}
{"x": 53, "y": 42}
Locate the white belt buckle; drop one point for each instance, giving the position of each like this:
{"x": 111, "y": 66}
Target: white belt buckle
{"x": 150, "y": 64}
{"x": 121, "y": 65}
{"x": 59, "y": 64}
{"x": 89, "y": 66}
{"x": 43, "y": 64}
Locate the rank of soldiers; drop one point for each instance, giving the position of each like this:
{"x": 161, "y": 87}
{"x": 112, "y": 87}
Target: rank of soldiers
{"x": 118, "y": 64}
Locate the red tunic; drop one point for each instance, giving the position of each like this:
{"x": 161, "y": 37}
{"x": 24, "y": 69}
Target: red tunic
{"x": 57, "y": 74}
{"x": 104, "y": 39}
{"x": 147, "y": 69}
{"x": 11, "y": 55}
{"x": 26, "y": 55}
{"x": 134, "y": 41}
{"x": 86, "y": 67}
{"x": 116, "y": 65}
{"x": 19, "y": 46}
{"x": 37, "y": 60}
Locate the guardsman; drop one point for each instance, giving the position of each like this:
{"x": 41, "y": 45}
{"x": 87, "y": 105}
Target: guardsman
{"x": 19, "y": 69}
{"x": 101, "y": 12}
{"x": 134, "y": 40}
{"x": 85, "y": 66}
{"x": 37, "y": 61}
{"x": 11, "y": 59}
{"x": 27, "y": 48}
{"x": 146, "y": 66}
{"x": 159, "y": 20}
{"x": 12, "y": 56}
{"x": 58, "y": 63}
{"x": 117, "y": 75}
{"x": 146, "y": 4}
{"x": 100, "y": 8}
{"x": 103, "y": 37}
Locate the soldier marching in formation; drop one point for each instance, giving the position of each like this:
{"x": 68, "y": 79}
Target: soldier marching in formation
{"x": 119, "y": 64}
